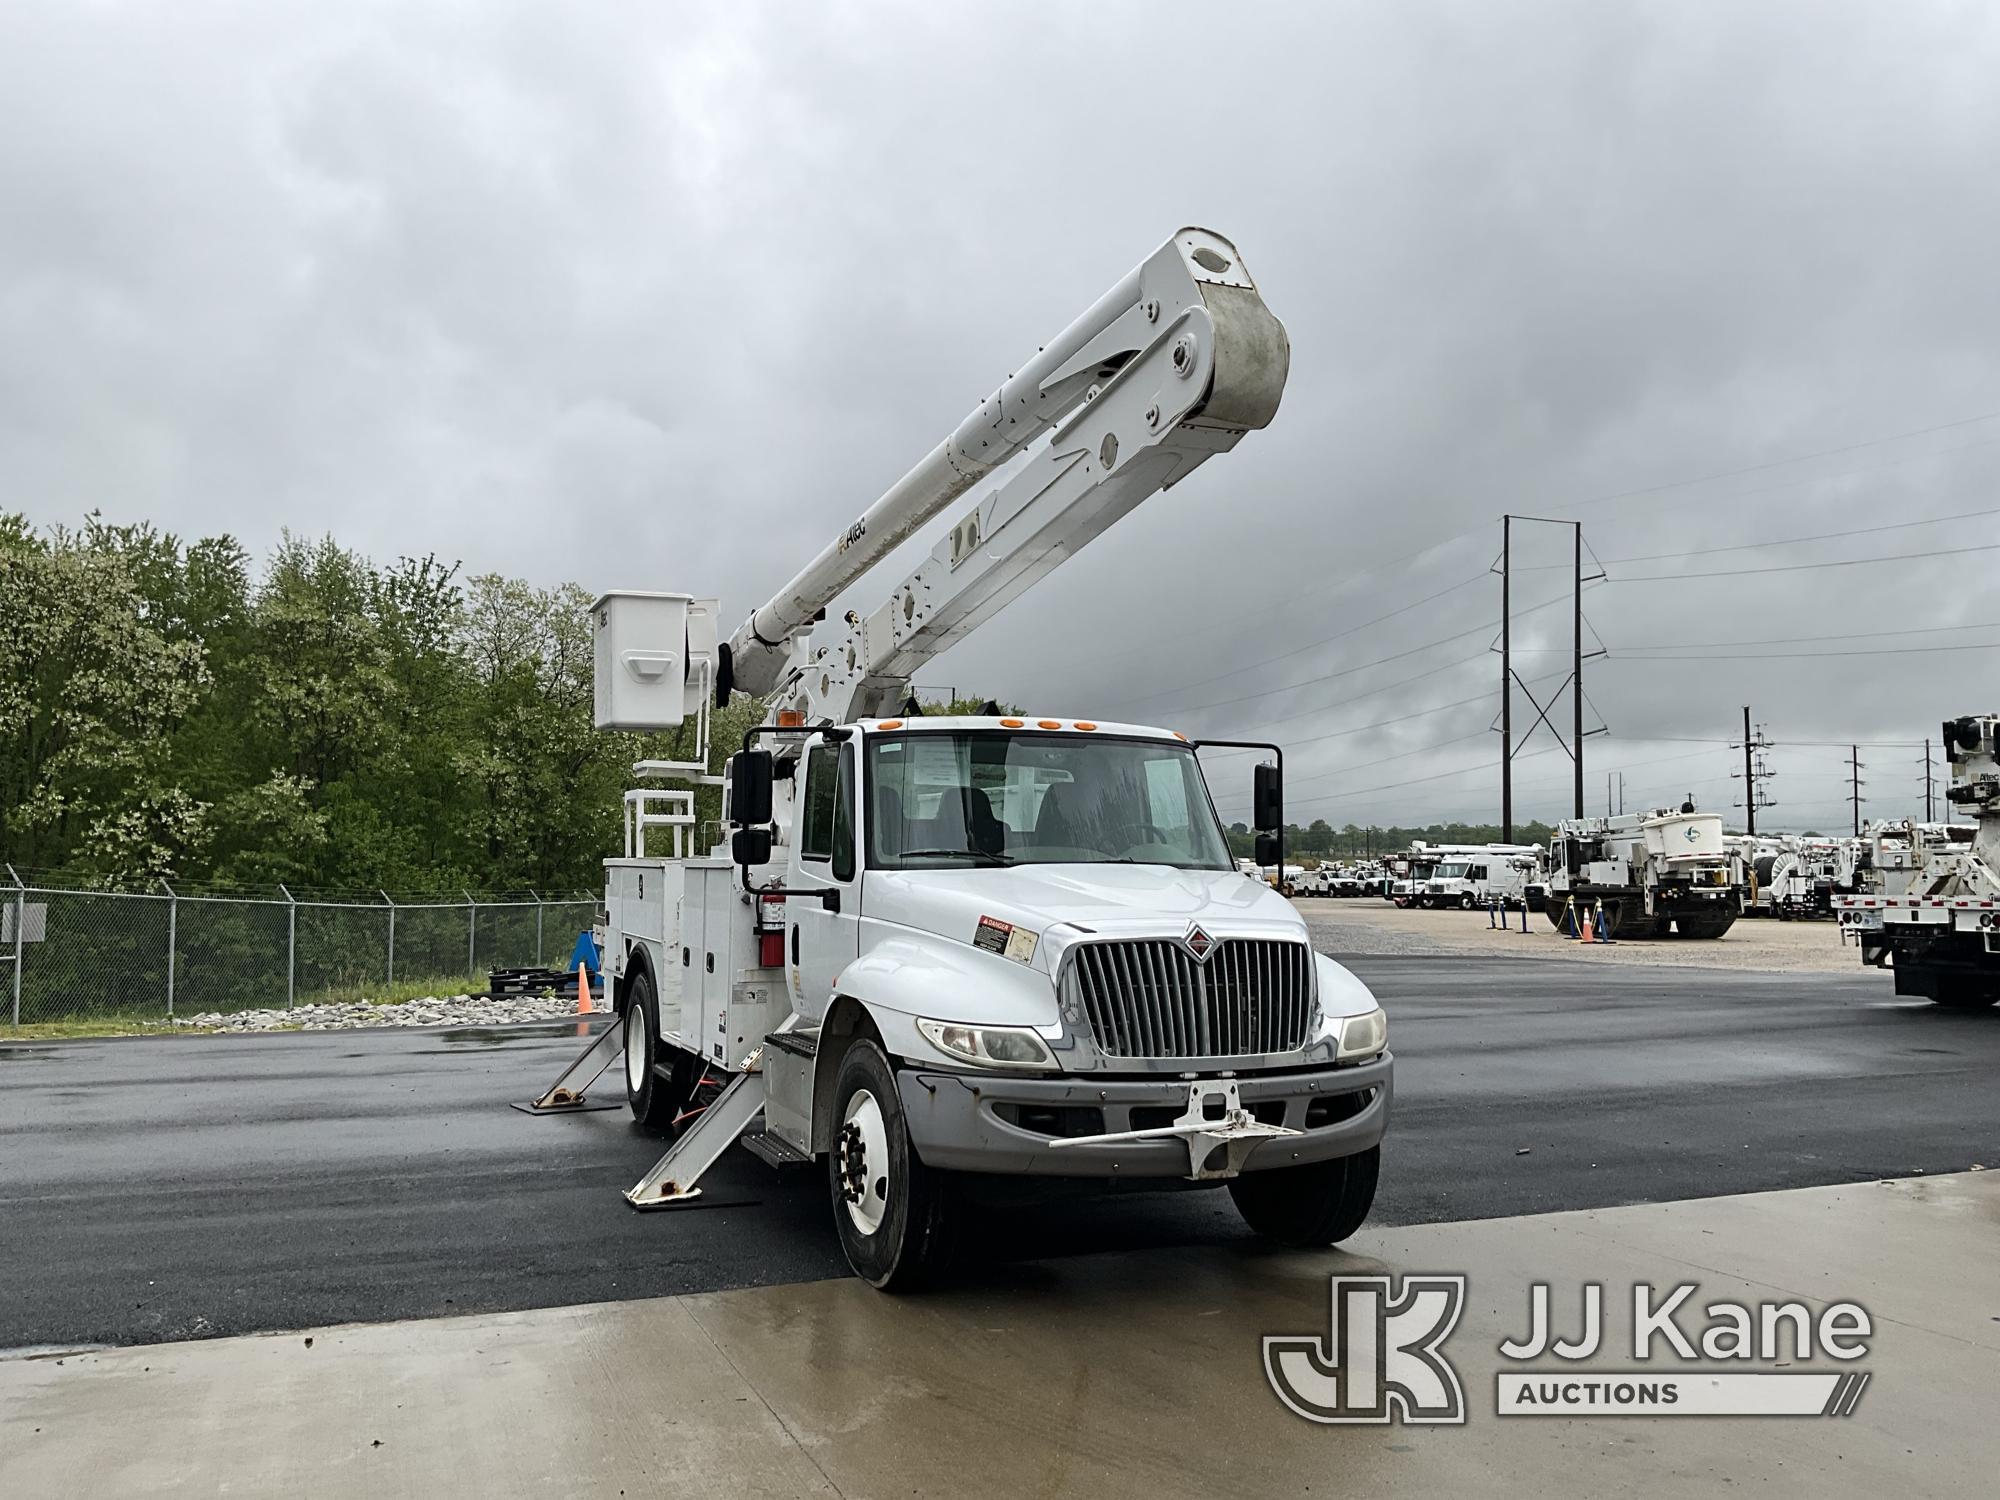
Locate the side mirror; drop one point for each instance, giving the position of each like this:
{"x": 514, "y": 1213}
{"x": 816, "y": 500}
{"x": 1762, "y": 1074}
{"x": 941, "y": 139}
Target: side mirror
{"x": 1267, "y": 848}
{"x": 1267, "y": 802}
{"x": 751, "y": 846}
{"x": 750, "y": 791}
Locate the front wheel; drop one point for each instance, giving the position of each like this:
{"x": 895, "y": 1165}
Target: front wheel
{"x": 1466, "y": 902}
{"x": 1321, "y": 1203}
{"x": 888, "y": 1207}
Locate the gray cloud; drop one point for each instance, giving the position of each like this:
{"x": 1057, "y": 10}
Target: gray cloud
{"x": 662, "y": 296}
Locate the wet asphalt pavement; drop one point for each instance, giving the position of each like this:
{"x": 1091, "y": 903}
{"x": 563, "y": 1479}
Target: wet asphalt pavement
{"x": 188, "y": 1187}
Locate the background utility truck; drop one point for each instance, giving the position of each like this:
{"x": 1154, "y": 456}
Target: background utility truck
{"x": 1639, "y": 872}
{"x": 937, "y": 948}
{"x": 1941, "y": 935}
{"x": 1470, "y": 876}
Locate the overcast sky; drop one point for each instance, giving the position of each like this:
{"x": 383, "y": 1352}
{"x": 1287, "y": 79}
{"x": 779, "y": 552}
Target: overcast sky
{"x": 660, "y": 296}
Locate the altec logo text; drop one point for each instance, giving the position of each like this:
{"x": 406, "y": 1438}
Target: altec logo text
{"x": 1383, "y": 1357}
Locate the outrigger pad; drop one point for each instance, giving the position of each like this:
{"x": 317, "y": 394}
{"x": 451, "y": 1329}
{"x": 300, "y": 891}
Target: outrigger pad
{"x": 578, "y": 1107}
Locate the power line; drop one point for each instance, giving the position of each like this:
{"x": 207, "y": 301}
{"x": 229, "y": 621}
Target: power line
{"x": 1793, "y": 541}
{"x": 1314, "y": 645}
{"x": 1373, "y": 574}
{"x": 1780, "y": 463}
{"x": 1819, "y": 655}
{"x": 1851, "y": 562}
{"x": 1796, "y": 640}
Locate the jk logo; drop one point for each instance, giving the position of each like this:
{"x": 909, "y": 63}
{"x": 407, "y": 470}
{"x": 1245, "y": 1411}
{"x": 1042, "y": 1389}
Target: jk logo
{"x": 1381, "y": 1360}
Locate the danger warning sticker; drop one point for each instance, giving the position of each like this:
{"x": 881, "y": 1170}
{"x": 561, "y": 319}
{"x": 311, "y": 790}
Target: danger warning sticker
{"x": 992, "y": 934}
{"x": 1005, "y": 939}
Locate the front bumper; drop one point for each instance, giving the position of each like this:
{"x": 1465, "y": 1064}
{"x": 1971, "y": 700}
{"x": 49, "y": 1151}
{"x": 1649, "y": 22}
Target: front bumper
{"x": 968, "y": 1122}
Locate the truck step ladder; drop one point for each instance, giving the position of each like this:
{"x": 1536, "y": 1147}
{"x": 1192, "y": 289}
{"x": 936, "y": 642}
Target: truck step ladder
{"x": 775, "y": 1152}
{"x": 673, "y": 1179}
{"x": 566, "y": 1095}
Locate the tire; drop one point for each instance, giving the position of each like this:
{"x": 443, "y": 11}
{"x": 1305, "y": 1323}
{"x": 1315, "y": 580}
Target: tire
{"x": 1321, "y": 1203}
{"x": 654, "y": 1100}
{"x": 1962, "y": 992}
{"x": 1555, "y": 912}
{"x": 1465, "y": 902}
{"x": 889, "y": 1209}
{"x": 1706, "y": 925}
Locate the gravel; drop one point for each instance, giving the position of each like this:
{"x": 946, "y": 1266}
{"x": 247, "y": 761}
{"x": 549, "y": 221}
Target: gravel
{"x": 1752, "y": 945}
{"x": 432, "y": 1010}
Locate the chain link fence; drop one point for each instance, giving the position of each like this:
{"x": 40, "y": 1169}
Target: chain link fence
{"x": 79, "y": 955}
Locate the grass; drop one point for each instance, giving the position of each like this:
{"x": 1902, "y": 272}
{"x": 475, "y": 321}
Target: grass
{"x": 58, "y": 1031}
{"x": 154, "y": 1025}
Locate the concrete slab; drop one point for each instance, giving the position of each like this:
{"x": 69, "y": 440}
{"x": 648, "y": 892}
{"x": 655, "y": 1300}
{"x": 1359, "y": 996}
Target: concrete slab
{"x": 1106, "y": 1376}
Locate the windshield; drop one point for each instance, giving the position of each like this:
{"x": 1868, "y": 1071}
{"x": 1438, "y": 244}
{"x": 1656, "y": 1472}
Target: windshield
{"x": 1451, "y": 872}
{"x": 989, "y": 797}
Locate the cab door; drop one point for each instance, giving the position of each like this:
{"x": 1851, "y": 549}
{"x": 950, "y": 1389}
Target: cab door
{"x": 820, "y": 942}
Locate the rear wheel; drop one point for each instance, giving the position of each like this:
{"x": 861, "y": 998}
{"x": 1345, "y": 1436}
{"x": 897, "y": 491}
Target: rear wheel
{"x": 1963, "y": 992}
{"x": 654, "y": 1100}
{"x": 888, "y": 1207}
{"x": 1321, "y": 1203}
{"x": 1707, "y": 924}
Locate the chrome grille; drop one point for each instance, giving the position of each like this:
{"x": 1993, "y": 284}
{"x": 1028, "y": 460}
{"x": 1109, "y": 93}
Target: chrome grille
{"x": 1151, "y": 997}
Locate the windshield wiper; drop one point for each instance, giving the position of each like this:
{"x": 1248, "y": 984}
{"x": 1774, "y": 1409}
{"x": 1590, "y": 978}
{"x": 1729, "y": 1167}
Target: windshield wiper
{"x": 984, "y": 856}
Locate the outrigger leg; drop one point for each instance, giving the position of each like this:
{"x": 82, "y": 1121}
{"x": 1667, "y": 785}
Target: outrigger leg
{"x": 565, "y": 1095}
{"x": 674, "y": 1177}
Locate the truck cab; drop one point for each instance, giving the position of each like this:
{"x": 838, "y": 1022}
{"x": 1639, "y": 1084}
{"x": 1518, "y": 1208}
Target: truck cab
{"x": 1016, "y": 948}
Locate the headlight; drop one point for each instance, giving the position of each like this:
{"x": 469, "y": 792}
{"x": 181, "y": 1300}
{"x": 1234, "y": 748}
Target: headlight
{"x": 989, "y": 1046}
{"x": 1363, "y": 1036}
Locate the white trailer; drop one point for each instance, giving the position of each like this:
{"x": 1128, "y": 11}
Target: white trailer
{"x": 989, "y": 945}
{"x": 1940, "y": 935}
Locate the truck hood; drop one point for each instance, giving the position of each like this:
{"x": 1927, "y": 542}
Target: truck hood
{"x": 1097, "y": 898}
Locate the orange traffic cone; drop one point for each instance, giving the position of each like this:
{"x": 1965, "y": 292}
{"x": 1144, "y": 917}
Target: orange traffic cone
{"x": 583, "y": 1005}
{"x": 1585, "y": 926}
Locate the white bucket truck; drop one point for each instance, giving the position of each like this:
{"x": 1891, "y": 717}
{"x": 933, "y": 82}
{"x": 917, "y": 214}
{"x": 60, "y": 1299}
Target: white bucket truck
{"x": 933, "y": 947}
{"x": 1939, "y": 933}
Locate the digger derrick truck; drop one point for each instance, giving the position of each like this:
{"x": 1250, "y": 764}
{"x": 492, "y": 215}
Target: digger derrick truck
{"x": 1940, "y": 936}
{"x": 934, "y": 951}
{"x": 1638, "y": 873}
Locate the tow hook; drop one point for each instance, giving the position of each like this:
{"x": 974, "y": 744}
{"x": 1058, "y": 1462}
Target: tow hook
{"x": 1215, "y": 1122}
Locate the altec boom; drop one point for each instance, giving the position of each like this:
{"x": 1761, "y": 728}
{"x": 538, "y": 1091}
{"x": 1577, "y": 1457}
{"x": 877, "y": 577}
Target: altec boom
{"x": 931, "y": 951}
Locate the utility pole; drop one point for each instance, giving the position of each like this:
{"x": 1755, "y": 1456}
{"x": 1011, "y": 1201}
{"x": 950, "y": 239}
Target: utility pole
{"x": 1749, "y": 777}
{"x": 1854, "y": 772}
{"x": 1756, "y": 771}
{"x": 1506, "y": 680}
{"x": 1576, "y": 669}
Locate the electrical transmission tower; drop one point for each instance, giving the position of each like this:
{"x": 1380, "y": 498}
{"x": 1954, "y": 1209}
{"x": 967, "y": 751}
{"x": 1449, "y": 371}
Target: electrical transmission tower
{"x": 1856, "y": 784}
{"x": 1510, "y": 680}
